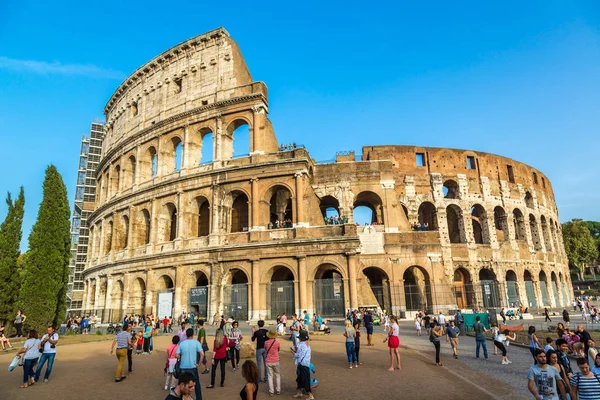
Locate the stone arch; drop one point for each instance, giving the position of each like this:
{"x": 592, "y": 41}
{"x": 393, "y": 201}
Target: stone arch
{"x": 512, "y": 288}
{"x": 543, "y": 282}
{"x": 198, "y": 293}
{"x": 417, "y": 289}
{"x": 530, "y": 290}
{"x": 137, "y": 296}
{"x": 123, "y": 233}
{"x": 239, "y": 211}
{"x": 329, "y": 299}
{"x": 235, "y": 294}
{"x": 108, "y": 238}
{"x": 279, "y": 271}
{"x": 148, "y": 163}
{"x": 237, "y": 275}
{"x": 200, "y": 223}
{"x": 427, "y": 217}
{"x": 456, "y": 227}
{"x": 102, "y": 295}
{"x": 489, "y": 291}
{"x": 201, "y": 278}
{"x": 117, "y": 295}
{"x": 167, "y": 226}
{"x": 463, "y": 288}
{"x": 501, "y": 224}
{"x": 239, "y": 126}
{"x": 144, "y": 223}
{"x": 164, "y": 282}
{"x": 554, "y": 237}
{"x": 405, "y": 212}
{"x": 172, "y": 154}
{"x": 479, "y": 221}
{"x": 546, "y": 233}
{"x": 451, "y": 190}
{"x": 529, "y": 200}
{"x": 115, "y": 180}
{"x": 280, "y": 290}
{"x": 376, "y": 290}
{"x": 519, "y": 222}
{"x": 281, "y": 209}
{"x": 535, "y": 233}
{"x": 203, "y": 143}
{"x": 330, "y": 207}
{"x": 368, "y": 200}
{"x": 555, "y": 288}
{"x": 129, "y": 172}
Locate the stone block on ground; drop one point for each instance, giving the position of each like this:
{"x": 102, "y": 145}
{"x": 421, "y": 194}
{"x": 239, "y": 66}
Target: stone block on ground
{"x": 248, "y": 350}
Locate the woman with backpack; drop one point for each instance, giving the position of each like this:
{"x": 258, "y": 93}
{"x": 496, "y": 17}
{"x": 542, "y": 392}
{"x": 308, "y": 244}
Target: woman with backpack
{"x": 220, "y": 347}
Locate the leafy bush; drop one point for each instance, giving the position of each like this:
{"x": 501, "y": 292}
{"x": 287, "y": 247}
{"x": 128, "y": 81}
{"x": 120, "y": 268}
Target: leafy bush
{"x": 99, "y": 333}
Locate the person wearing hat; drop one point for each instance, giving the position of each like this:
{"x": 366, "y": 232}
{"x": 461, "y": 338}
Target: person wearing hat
{"x": 272, "y": 355}
{"x": 302, "y": 358}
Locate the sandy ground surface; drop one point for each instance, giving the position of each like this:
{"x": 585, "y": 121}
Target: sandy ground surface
{"x": 87, "y": 371}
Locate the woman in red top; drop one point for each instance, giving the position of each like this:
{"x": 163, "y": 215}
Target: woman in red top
{"x": 219, "y": 357}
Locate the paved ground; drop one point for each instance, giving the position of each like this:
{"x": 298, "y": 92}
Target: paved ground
{"x": 86, "y": 371}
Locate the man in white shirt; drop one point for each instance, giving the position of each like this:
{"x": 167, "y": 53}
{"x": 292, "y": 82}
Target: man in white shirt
{"x": 441, "y": 319}
{"x": 48, "y": 350}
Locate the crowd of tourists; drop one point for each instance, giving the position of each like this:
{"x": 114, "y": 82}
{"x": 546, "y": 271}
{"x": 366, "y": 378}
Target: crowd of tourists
{"x": 335, "y": 220}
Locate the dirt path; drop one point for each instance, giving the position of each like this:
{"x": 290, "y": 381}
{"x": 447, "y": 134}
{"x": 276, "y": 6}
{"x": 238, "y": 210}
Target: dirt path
{"x": 86, "y": 371}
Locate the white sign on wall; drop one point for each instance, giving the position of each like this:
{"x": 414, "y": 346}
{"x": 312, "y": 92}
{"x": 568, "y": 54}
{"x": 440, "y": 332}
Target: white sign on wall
{"x": 165, "y": 304}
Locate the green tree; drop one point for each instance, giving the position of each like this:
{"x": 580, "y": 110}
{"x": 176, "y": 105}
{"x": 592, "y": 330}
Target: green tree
{"x": 594, "y": 228}
{"x": 579, "y": 244}
{"x": 10, "y": 242}
{"x": 46, "y": 266}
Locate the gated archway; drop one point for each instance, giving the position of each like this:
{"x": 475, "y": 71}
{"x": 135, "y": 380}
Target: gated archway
{"x": 198, "y": 296}
{"x": 235, "y": 295}
{"x": 280, "y": 292}
{"x": 530, "y": 290}
{"x": 417, "y": 289}
{"x": 544, "y": 289}
{"x": 555, "y": 288}
{"x": 490, "y": 295}
{"x": 512, "y": 288}
{"x": 463, "y": 288}
{"x": 329, "y": 291}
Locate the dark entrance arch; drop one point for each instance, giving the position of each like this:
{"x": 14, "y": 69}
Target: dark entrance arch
{"x": 530, "y": 290}
{"x": 235, "y": 295}
{"x": 544, "y": 289}
{"x": 280, "y": 292}
{"x": 512, "y": 289}
{"x": 417, "y": 289}
{"x": 490, "y": 295}
{"x": 198, "y": 296}
{"x": 329, "y": 291}
{"x": 378, "y": 291}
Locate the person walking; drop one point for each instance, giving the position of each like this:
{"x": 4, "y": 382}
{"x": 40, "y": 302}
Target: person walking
{"x": 171, "y": 361}
{"x": 436, "y": 332}
{"x": 122, "y": 341}
{"x": 30, "y": 353}
{"x": 543, "y": 381}
{"x": 48, "y": 348}
{"x": 357, "y": 342}
{"x": 302, "y": 357}
{"x": 250, "y": 374}
{"x": 185, "y": 387}
{"x": 202, "y": 340}
{"x": 534, "y": 343}
{"x": 188, "y": 352}
{"x": 418, "y": 325}
{"x": 585, "y": 385}
{"x": 132, "y": 345}
{"x": 393, "y": 341}
{"x": 349, "y": 334}
{"x": 546, "y": 315}
{"x": 234, "y": 341}
{"x": 272, "y": 347}
{"x": 220, "y": 346}
{"x": 566, "y": 318}
{"x": 503, "y": 315}
{"x": 260, "y": 336}
{"x": 452, "y": 334}
{"x": 368, "y": 321}
{"x": 165, "y": 324}
{"x": 19, "y": 320}
{"x": 501, "y": 341}
{"x": 480, "y": 330}
{"x": 182, "y": 332}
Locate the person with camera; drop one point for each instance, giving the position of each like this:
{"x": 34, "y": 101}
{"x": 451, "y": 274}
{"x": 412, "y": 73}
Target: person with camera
{"x": 48, "y": 350}
{"x": 123, "y": 340}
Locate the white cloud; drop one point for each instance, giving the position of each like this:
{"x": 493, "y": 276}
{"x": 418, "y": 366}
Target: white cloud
{"x": 55, "y": 67}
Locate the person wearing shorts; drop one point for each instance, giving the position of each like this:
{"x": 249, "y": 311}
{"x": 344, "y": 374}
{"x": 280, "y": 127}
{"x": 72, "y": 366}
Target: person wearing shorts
{"x": 393, "y": 341}
{"x": 452, "y": 334}
{"x": 368, "y": 320}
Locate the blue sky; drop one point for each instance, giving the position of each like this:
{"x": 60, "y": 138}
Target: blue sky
{"x": 520, "y": 79}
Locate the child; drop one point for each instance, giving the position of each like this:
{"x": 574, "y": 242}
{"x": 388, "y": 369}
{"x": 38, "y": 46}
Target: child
{"x": 548, "y": 345}
{"x": 418, "y": 325}
{"x": 357, "y": 341}
{"x": 140, "y": 343}
{"x": 171, "y": 361}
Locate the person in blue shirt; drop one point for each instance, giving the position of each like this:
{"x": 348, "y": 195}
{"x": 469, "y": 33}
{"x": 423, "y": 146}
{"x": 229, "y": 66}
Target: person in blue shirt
{"x": 302, "y": 357}
{"x": 188, "y": 352}
{"x": 368, "y": 320}
{"x": 306, "y": 320}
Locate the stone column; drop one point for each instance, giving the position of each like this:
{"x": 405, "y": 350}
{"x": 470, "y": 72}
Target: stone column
{"x": 215, "y": 209}
{"x": 217, "y": 157}
{"x": 255, "y": 295}
{"x": 186, "y": 148}
{"x": 302, "y": 281}
{"x": 108, "y": 313}
{"x": 352, "y": 280}
{"x": 255, "y": 201}
{"x": 149, "y": 306}
{"x": 125, "y": 305}
{"x": 101, "y": 247}
{"x": 300, "y": 198}
{"x": 136, "y": 175}
{"x": 153, "y": 225}
{"x": 178, "y": 289}
{"x": 180, "y": 215}
{"x": 96, "y": 293}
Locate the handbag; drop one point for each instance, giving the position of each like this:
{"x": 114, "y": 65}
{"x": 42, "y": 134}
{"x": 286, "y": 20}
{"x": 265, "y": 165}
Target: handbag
{"x": 177, "y": 369}
{"x": 13, "y": 364}
{"x": 204, "y": 347}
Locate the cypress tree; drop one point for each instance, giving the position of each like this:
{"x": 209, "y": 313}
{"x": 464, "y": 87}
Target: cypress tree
{"x": 10, "y": 241}
{"x": 46, "y": 274}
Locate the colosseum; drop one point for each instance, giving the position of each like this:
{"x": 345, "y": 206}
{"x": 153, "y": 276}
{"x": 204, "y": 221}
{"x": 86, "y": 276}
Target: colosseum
{"x": 181, "y": 224}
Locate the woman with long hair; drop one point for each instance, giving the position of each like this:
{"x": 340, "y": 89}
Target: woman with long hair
{"x": 534, "y": 343}
{"x": 250, "y": 374}
{"x": 219, "y": 358}
{"x": 501, "y": 341}
{"x": 31, "y": 353}
{"x": 552, "y": 360}
{"x": 436, "y": 332}
{"x": 393, "y": 341}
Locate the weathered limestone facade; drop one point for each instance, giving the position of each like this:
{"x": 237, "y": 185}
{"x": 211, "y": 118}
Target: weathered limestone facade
{"x": 166, "y": 222}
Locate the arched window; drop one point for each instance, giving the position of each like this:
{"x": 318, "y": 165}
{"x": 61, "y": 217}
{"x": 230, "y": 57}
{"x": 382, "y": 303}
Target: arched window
{"x": 546, "y": 233}
{"x": 368, "y": 209}
{"x": 236, "y": 142}
{"x": 239, "y": 212}
{"x": 146, "y": 225}
{"x": 125, "y": 232}
{"x": 201, "y": 225}
{"x": 206, "y": 149}
{"x": 108, "y": 239}
{"x": 178, "y": 156}
{"x": 535, "y": 234}
{"x": 501, "y": 224}
{"x": 451, "y": 190}
{"x": 330, "y": 209}
{"x": 479, "y": 222}
{"x": 131, "y": 175}
{"x": 528, "y": 200}
{"x": 427, "y": 217}
{"x": 456, "y": 229}
{"x": 519, "y": 222}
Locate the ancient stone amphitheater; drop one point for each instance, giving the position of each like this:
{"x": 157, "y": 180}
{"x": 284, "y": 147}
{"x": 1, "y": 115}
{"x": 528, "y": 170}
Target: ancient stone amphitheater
{"x": 181, "y": 224}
